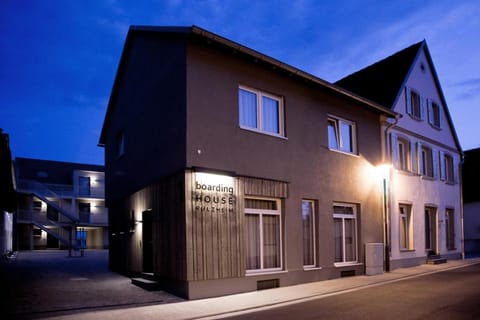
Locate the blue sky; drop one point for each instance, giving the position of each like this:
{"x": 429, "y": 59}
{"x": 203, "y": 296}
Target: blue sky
{"x": 58, "y": 58}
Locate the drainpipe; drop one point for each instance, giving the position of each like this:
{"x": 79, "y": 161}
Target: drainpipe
{"x": 386, "y": 197}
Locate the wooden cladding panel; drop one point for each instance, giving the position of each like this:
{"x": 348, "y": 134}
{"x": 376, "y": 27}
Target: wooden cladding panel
{"x": 264, "y": 188}
{"x": 214, "y": 238}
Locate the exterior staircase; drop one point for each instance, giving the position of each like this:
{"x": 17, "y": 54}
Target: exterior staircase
{"x": 146, "y": 281}
{"x": 64, "y": 229}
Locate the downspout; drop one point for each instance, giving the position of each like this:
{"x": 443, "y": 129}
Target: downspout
{"x": 462, "y": 229}
{"x": 386, "y": 197}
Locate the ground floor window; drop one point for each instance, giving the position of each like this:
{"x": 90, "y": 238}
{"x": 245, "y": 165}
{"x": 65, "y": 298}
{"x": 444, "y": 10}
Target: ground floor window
{"x": 345, "y": 220}
{"x": 263, "y": 236}
{"x": 405, "y": 213}
{"x": 309, "y": 235}
{"x": 450, "y": 228}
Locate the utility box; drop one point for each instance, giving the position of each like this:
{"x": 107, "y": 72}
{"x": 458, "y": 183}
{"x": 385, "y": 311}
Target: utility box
{"x": 373, "y": 258}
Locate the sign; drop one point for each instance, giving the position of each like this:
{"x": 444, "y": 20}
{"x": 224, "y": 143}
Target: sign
{"x": 213, "y": 193}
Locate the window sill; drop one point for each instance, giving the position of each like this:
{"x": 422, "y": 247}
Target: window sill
{"x": 347, "y": 264}
{"x": 436, "y": 127}
{"x": 264, "y": 132}
{"x": 407, "y": 250}
{"x": 311, "y": 268}
{"x": 415, "y": 117}
{"x": 428, "y": 178}
{"x": 344, "y": 152}
{"x": 405, "y": 172}
{"x": 263, "y": 272}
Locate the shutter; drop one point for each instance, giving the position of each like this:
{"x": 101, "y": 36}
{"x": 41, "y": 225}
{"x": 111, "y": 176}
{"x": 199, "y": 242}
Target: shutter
{"x": 394, "y": 149}
{"x": 408, "y": 97}
{"x": 430, "y": 111}
{"x": 435, "y": 163}
{"x": 421, "y": 168}
{"x": 443, "y": 173}
{"x": 456, "y": 165}
{"x": 440, "y": 115}
{"x": 422, "y": 107}
{"x": 413, "y": 152}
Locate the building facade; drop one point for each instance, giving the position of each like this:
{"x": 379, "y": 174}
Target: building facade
{"x": 7, "y": 195}
{"x": 61, "y": 205}
{"x": 424, "y": 156}
{"x": 471, "y": 202}
{"x": 229, "y": 171}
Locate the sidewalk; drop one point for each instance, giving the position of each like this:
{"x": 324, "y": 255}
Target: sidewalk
{"x": 215, "y": 308}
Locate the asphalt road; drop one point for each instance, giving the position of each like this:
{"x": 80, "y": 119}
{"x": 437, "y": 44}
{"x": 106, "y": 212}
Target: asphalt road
{"x": 453, "y": 294}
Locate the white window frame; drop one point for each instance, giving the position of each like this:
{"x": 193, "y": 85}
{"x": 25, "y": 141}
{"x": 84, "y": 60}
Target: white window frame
{"x": 450, "y": 234}
{"x": 339, "y": 138}
{"x": 434, "y": 114}
{"x": 401, "y": 153}
{"x": 405, "y": 218}
{"x": 344, "y": 217}
{"x": 260, "y": 113}
{"x": 427, "y": 161}
{"x": 313, "y": 233}
{"x": 261, "y": 213}
{"x": 415, "y": 110}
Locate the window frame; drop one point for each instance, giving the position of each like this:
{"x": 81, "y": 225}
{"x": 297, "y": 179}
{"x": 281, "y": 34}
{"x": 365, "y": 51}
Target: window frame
{"x": 344, "y": 217}
{"x": 415, "y": 107}
{"x": 450, "y": 229}
{"x": 434, "y": 114}
{"x": 405, "y": 219}
{"x": 427, "y": 161}
{"x": 261, "y": 213}
{"x": 313, "y": 233}
{"x": 259, "y": 117}
{"x": 338, "y": 136}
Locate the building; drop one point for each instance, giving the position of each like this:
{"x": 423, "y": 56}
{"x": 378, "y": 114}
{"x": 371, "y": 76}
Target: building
{"x": 61, "y": 205}
{"x": 7, "y": 195}
{"x": 229, "y": 171}
{"x": 471, "y": 202}
{"x": 424, "y": 188}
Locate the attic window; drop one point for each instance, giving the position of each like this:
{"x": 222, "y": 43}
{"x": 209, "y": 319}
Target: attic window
{"x": 422, "y": 67}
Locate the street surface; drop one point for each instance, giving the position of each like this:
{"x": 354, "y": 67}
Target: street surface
{"x": 452, "y": 294}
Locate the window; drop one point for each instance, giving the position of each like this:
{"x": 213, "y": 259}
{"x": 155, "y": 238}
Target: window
{"x": 341, "y": 135}
{"x": 447, "y": 169}
{"x": 263, "y": 235}
{"x": 84, "y": 212}
{"x": 309, "y": 236}
{"x": 414, "y": 104}
{"x": 84, "y": 186}
{"x": 260, "y": 111}
{"x": 434, "y": 114}
{"x": 37, "y": 205}
{"x": 427, "y": 161}
{"x": 401, "y": 153}
{"x": 120, "y": 144}
{"x": 450, "y": 228}
{"x": 345, "y": 221}
{"x": 405, "y": 213}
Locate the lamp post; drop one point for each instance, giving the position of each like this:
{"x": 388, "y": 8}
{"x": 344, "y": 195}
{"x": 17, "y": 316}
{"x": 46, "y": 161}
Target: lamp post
{"x": 385, "y": 175}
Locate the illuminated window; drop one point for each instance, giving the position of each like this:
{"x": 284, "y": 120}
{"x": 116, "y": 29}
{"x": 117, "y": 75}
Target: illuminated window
{"x": 405, "y": 214}
{"x": 434, "y": 114}
{"x": 341, "y": 135}
{"x": 309, "y": 235}
{"x": 263, "y": 244}
{"x": 414, "y": 104}
{"x": 345, "y": 221}
{"x": 450, "y": 228}
{"x": 260, "y": 111}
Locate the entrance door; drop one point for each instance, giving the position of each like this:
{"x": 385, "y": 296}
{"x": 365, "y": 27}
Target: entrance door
{"x": 147, "y": 240}
{"x": 431, "y": 230}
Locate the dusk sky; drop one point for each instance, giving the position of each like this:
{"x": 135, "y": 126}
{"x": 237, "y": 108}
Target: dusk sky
{"x": 58, "y": 58}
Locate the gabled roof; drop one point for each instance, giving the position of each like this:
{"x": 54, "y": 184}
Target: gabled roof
{"x": 383, "y": 81}
{"x": 227, "y": 45}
